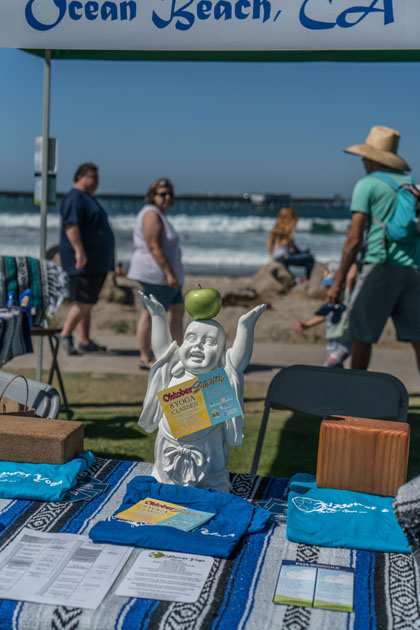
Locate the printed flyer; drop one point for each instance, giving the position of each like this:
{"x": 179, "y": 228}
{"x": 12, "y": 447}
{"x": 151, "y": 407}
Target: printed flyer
{"x": 156, "y": 512}
{"x": 199, "y": 403}
{"x": 324, "y": 586}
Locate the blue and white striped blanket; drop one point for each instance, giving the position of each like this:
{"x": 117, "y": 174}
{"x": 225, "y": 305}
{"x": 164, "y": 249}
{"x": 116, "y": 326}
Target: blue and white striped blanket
{"x": 238, "y": 592}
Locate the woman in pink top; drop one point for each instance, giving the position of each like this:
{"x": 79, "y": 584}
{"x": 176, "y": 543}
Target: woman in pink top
{"x": 157, "y": 264}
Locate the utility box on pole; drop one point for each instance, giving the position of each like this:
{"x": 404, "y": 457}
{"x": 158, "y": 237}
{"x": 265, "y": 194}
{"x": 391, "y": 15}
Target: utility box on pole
{"x": 52, "y": 171}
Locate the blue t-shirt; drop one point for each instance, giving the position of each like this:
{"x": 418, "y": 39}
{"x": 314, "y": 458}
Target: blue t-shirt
{"x": 81, "y": 209}
{"x": 341, "y": 518}
{"x": 41, "y": 482}
{"x": 234, "y": 518}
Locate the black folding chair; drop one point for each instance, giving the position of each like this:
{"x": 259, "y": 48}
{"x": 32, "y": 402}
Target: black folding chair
{"x": 333, "y": 392}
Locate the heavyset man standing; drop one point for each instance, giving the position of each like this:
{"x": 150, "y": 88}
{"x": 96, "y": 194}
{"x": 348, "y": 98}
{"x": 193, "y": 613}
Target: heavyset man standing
{"x": 87, "y": 247}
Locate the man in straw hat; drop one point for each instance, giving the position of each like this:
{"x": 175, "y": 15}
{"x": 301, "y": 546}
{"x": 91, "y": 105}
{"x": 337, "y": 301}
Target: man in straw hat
{"x": 389, "y": 282}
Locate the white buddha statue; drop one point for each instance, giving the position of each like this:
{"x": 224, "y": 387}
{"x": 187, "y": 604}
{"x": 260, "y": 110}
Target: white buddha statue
{"x": 199, "y": 459}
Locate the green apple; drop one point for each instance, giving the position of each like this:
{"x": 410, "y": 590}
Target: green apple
{"x": 203, "y": 303}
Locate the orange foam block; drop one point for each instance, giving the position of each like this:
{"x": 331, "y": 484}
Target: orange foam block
{"x": 363, "y": 455}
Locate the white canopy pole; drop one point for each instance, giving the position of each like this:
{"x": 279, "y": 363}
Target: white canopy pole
{"x": 44, "y": 180}
{"x": 45, "y": 147}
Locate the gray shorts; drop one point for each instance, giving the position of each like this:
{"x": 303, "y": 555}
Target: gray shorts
{"x": 384, "y": 291}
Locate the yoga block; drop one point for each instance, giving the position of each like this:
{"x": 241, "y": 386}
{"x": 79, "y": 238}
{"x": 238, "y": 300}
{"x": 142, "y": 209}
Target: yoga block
{"x": 13, "y": 408}
{"x": 363, "y": 455}
{"x": 39, "y": 441}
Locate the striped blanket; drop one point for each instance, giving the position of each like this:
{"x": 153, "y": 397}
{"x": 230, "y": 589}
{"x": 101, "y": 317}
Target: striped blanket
{"x": 238, "y": 592}
{"x": 47, "y": 281}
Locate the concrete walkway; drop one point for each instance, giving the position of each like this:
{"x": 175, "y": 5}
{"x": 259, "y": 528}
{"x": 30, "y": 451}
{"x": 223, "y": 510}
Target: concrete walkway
{"x": 268, "y": 357}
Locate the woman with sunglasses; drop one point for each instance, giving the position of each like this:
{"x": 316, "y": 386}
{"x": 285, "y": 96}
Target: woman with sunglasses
{"x": 157, "y": 265}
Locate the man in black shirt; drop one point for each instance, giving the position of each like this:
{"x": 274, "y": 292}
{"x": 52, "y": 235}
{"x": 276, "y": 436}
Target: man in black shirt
{"x": 87, "y": 254}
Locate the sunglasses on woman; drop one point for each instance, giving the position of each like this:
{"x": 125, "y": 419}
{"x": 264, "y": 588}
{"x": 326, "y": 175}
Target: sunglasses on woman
{"x": 165, "y": 193}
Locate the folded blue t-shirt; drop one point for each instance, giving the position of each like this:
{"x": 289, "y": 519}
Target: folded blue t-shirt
{"x": 234, "y": 518}
{"x": 341, "y": 518}
{"x": 41, "y": 482}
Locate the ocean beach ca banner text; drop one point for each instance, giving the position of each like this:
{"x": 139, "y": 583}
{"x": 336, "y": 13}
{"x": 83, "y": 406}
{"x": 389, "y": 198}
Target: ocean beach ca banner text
{"x": 211, "y": 25}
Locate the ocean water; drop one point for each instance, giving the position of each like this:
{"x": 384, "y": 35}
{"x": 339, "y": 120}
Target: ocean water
{"x": 214, "y": 240}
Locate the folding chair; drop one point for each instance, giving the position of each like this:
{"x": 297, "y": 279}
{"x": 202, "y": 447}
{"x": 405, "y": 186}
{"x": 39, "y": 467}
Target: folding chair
{"x": 54, "y": 337}
{"x": 45, "y": 400}
{"x": 332, "y": 392}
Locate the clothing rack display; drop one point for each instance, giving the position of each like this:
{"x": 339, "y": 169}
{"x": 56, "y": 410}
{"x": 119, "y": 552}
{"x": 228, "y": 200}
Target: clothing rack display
{"x": 46, "y": 281}
{"x": 47, "y": 284}
{"x": 15, "y": 334}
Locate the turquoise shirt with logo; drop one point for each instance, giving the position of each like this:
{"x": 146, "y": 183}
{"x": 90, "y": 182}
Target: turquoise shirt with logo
{"x": 376, "y": 199}
{"x": 341, "y": 518}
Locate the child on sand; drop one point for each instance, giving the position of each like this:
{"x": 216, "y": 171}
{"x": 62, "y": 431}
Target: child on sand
{"x": 336, "y": 318}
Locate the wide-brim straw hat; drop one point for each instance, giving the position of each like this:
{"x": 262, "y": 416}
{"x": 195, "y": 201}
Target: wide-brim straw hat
{"x": 381, "y": 146}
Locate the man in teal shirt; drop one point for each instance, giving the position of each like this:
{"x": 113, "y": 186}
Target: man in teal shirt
{"x": 389, "y": 283}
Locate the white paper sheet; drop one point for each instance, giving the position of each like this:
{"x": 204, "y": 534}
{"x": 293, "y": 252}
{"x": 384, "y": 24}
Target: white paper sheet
{"x": 59, "y": 569}
{"x": 166, "y": 575}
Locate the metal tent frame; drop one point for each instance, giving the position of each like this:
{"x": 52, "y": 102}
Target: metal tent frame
{"x": 379, "y": 56}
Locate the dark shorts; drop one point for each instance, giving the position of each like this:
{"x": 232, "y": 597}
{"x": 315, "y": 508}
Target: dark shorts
{"x": 85, "y": 289}
{"x": 386, "y": 291}
{"x": 167, "y": 296}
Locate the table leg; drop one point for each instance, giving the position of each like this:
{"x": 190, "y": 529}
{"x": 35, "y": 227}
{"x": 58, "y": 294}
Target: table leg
{"x": 54, "y": 341}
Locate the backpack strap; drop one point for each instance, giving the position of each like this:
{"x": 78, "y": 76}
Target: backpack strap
{"x": 390, "y": 181}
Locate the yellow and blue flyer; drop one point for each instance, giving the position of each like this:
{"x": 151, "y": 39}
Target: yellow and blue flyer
{"x": 199, "y": 403}
{"x": 156, "y": 512}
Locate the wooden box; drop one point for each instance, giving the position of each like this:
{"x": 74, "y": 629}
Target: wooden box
{"x": 363, "y": 455}
{"x": 39, "y": 441}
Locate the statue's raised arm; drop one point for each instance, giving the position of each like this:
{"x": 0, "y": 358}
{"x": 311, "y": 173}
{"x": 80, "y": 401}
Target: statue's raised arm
{"x": 241, "y": 351}
{"x": 161, "y": 336}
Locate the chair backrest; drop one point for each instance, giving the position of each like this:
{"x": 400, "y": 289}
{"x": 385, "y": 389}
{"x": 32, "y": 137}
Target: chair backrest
{"x": 338, "y": 392}
{"x": 44, "y": 399}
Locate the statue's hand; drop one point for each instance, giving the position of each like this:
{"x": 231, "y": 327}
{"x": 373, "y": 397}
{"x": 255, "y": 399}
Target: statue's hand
{"x": 250, "y": 319}
{"x": 154, "y": 307}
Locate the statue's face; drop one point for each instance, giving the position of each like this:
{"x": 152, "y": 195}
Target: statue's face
{"x": 203, "y": 346}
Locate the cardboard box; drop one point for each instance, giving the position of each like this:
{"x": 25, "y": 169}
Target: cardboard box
{"x": 363, "y": 455}
{"x": 8, "y": 407}
{"x": 39, "y": 441}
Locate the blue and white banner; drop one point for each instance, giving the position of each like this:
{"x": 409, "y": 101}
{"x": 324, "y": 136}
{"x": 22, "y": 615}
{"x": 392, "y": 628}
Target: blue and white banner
{"x": 211, "y": 25}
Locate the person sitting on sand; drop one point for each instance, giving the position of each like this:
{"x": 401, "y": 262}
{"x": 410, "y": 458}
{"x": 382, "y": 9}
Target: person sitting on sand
{"x": 336, "y": 318}
{"x": 282, "y": 247}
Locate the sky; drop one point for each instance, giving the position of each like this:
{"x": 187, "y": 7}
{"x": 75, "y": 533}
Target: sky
{"x": 210, "y": 127}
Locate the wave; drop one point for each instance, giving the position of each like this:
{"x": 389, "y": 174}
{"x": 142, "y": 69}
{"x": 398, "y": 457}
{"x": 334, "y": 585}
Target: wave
{"x": 27, "y": 220}
{"x": 221, "y": 223}
{"x": 183, "y": 223}
{"x": 339, "y": 226}
{"x": 205, "y": 259}
{"x": 209, "y": 224}
{"x": 223, "y": 257}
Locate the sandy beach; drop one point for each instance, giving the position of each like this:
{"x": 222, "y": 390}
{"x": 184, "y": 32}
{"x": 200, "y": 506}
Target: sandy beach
{"x": 111, "y": 317}
{"x": 276, "y": 345}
